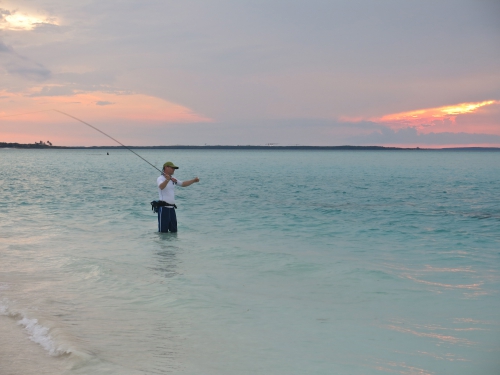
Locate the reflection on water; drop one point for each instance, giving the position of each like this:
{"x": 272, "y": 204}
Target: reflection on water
{"x": 166, "y": 257}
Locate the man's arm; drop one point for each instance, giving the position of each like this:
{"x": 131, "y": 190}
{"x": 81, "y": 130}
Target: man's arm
{"x": 190, "y": 182}
{"x": 164, "y": 183}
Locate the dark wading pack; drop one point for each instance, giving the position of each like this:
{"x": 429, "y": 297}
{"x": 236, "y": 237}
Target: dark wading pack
{"x": 156, "y": 204}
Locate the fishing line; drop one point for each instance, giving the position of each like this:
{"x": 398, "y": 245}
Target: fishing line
{"x": 93, "y": 127}
{"x": 107, "y": 135}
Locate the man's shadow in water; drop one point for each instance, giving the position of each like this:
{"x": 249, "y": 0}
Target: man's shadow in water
{"x": 166, "y": 255}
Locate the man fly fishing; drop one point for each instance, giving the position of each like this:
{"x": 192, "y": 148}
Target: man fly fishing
{"x": 167, "y": 219}
{"x": 165, "y": 207}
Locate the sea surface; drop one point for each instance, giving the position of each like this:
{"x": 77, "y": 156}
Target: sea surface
{"x": 286, "y": 262}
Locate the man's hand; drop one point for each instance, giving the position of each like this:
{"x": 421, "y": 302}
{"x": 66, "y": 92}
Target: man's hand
{"x": 170, "y": 178}
{"x": 187, "y": 183}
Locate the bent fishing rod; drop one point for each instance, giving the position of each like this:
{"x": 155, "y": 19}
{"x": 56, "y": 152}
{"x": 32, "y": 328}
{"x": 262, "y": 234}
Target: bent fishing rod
{"x": 93, "y": 127}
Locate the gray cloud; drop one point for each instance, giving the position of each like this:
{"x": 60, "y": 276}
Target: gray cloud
{"x": 93, "y": 80}
{"x": 45, "y": 27}
{"x": 3, "y": 13}
{"x": 19, "y": 65}
{"x": 4, "y": 48}
{"x": 54, "y": 91}
{"x": 68, "y": 83}
{"x": 103, "y": 102}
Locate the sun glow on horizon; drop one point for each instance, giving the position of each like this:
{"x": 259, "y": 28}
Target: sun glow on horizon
{"x": 431, "y": 116}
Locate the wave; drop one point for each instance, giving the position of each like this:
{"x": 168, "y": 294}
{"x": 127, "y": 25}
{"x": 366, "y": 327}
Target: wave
{"x": 40, "y": 335}
{"x": 36, "y": 331}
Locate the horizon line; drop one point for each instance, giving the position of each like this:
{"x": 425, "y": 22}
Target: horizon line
{"x": 260, "y": 147}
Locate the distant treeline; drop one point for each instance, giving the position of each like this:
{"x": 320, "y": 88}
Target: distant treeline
{"x": 240, "y": 147}
{"x": 40, "y": 144}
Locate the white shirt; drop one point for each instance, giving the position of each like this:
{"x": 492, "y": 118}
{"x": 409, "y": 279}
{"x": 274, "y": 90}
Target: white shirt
{"x": 168, "y": 193}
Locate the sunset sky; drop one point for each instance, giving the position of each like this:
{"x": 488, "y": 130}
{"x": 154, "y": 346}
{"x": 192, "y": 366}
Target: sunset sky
{"x": 158, "y": 72}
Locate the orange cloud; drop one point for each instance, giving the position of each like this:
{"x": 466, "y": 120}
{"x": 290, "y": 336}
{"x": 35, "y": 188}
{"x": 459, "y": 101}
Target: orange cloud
{"x": 424, "y": 118}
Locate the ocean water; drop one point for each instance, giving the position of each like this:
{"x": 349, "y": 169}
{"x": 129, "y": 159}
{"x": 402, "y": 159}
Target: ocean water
{"x": 286, "y": 262}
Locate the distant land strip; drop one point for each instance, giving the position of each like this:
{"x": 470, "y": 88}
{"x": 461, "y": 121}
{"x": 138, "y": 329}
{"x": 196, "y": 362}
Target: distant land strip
{"x": 240, "y": 147}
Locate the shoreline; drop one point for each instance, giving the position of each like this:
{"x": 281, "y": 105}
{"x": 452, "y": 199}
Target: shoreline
{"x": 38, "y": 146}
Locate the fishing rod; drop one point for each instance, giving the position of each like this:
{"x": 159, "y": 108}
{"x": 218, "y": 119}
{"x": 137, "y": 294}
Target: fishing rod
{"x": 93, "y": 127}
{"x": 107, "y": 135}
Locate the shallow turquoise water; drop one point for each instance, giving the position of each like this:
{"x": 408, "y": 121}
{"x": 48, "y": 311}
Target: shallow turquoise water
{"x": 286, "y": 262}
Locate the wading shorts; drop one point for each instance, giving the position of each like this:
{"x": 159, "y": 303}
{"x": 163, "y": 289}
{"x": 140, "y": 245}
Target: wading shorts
{"x": 167, "y": 220}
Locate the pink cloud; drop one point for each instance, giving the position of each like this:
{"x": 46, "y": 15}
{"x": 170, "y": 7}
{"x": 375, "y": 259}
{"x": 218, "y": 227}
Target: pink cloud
{"x": 28, "y": 118}
{"x": 464, "y": 118}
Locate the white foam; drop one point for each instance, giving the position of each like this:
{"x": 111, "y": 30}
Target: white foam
{"x": 37, "y": 332}
{"x": 3, "y": 309}
{"x": 41, "y": 336}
